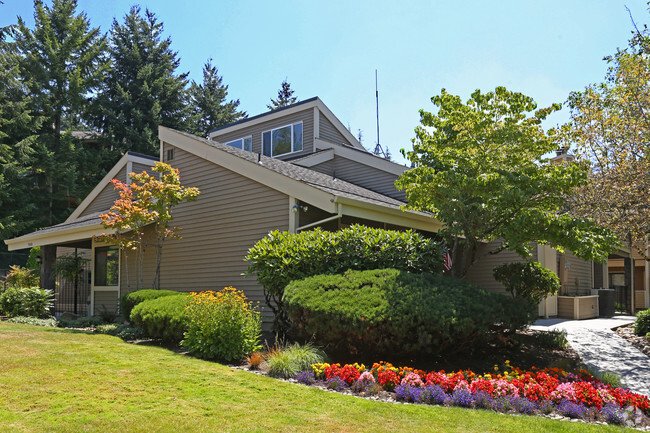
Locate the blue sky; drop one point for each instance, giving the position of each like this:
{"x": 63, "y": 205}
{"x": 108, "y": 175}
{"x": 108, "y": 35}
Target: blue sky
{"x": 331, "y": 49}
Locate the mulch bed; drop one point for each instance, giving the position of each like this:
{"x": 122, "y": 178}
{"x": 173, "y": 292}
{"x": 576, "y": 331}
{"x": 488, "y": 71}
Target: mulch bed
{"x": 627, "y": 332}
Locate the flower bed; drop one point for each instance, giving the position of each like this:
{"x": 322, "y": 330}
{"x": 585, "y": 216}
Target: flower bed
{"x": 537, "y": 391}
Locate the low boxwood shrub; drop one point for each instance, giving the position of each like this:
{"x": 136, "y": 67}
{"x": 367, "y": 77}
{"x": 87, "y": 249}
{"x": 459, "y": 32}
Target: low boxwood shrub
{"x": 163, "y": 318}
{"x": 642, "y": 324}
{"x": 26, "y": 301}
{"x": 391, "y": 312}
{"x": 130, "y": 300}
{"x": 282, "y": 257}
{"x": 222, "y": 325}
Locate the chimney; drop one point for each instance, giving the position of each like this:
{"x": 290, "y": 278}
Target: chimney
{"x": 562, "y": 156}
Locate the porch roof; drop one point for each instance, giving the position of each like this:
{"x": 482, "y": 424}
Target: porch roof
{"x": 78, "y": 229}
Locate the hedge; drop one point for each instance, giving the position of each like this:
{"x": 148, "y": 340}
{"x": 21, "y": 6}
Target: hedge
{"x": 390, "y": 312}
{"x": 164, "y": 318}
{"x": 130, "y": 300}
{"x": 282, "y": 257}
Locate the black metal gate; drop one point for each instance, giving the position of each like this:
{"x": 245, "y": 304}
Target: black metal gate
{"x": 71, "y": 299}
{"x": 623, "y": 299}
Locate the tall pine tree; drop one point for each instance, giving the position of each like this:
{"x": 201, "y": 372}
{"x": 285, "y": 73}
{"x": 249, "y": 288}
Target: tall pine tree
{"x": 285, "y": 97}
{"x": 62, "y": 63}
{"x": 142, "y": 89}
{"x": 18, "y": 135}
{"x": 208, "y": 104}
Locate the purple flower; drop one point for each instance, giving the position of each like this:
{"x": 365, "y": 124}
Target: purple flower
{"x": 571, "y": 409}
{"x": 432, "y": 394}
{"x": 305, "y": 377}
{"x": 409, "y": 394}
{"x": 462, "y": 398}
{"x": 335, "y": 383}
{"x": 483, "y": 400}
{"x": 613, "y": 414}
{"x": 523, "y": 405}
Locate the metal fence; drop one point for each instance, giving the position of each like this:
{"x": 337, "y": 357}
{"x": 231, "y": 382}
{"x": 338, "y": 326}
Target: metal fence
{"x": 71, "y": 299}
{"x": 623, "y": 299}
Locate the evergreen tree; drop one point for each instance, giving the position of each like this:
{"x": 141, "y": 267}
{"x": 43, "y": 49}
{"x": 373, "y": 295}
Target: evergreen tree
{"x": 61, "y": 62}
{"x": 285, "y": 97}
{"x": 142, "y": 90}
{"x": 18, "y": 134}
{"x": 208, "y": 105}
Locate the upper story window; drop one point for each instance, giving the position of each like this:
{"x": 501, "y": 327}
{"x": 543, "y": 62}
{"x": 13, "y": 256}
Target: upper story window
{"x": 245, "y": 143}
{"x": 285, "y": 139}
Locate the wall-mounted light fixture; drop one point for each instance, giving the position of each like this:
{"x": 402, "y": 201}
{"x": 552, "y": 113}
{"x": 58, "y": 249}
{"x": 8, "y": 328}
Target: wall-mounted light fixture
{"x": 297, "y": 207}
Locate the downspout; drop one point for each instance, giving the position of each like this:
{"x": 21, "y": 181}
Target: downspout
{"x": 339, "y": 215}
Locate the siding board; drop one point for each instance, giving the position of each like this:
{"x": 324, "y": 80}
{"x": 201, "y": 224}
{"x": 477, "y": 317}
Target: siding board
{"x": 481, "y": 273}
{"x": 106, "y": 198}
{"x": 306, "y": 117}
{"x": 328, "y": 132}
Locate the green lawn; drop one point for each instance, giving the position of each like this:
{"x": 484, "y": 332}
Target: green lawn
{"x": 54, "y": 380}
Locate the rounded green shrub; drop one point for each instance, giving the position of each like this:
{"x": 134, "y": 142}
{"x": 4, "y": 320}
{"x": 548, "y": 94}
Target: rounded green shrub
{"x": 164, "y": 318}
{"x": 392, "y": 312}
{"x": 642, "y": 324}
{"x": 528, "y": 280}
{"x": 26, "y": 301}
{"x": 130, "y": 300}
{"x": 223, "y": 325}
{"x": 282, "y": 257}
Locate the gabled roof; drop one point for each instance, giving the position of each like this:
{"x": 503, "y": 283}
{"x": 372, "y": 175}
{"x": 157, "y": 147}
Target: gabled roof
{"x": 318, "y": 189}
{"x": 124, "y": 162}
{"x": 284, "y": 111}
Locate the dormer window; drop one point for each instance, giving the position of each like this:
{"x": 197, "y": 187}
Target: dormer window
{"x": 283, "y": 140}
{"x": 245, "y": 143}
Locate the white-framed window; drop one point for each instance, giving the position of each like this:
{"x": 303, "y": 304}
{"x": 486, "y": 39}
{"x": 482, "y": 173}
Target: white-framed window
{"x": 282, "y": 140}
{"x": 245, "y": 143}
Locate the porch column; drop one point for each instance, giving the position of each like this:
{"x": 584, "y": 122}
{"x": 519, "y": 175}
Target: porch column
{"x": 48, "y": 259}
{"x": 628, "y": 266}
{"x": 646, "y": 284}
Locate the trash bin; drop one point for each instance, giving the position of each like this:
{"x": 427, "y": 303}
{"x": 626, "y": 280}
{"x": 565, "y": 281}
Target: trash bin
{"x": 606, "y": 302}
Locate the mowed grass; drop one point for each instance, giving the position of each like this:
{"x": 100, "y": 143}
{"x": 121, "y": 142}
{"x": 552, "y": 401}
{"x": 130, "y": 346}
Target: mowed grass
{"x": 54, "y": 380}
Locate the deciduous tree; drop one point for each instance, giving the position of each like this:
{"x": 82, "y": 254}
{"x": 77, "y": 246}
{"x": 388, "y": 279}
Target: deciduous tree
{"x": 480, "y": 168}
{"x": 610, "y": 126}
{"x": 147, "y": 200}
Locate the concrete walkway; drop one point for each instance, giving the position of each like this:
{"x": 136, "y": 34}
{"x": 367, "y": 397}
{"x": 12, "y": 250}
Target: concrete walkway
{"x": 603, "y": 350}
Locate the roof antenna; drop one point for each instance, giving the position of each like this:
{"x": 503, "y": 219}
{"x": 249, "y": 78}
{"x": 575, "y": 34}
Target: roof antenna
{"x": 378, "y": 149}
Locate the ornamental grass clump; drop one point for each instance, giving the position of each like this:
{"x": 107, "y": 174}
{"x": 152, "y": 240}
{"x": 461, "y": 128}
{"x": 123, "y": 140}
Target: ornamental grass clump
{"x": 286, "y": 362}
{"x": 222, "y": 325}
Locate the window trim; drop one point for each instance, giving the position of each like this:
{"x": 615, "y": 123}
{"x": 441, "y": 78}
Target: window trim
{"x": 293, "y": 150}
{"x": 242, "y": 143}
{"x": 93, "y": 287}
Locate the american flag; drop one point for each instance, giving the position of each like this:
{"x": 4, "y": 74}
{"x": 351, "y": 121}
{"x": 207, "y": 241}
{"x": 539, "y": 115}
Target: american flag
{"x": 447, "y": 263}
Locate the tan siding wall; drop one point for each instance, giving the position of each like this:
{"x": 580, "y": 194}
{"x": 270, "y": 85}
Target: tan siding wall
{"x": 138, "y": 168}
{"x": 481, "y": 273}
{"x": 362, "y": 175}
{"x": 328, "y": 132}
{"x": 306, "y": 116}
{"x": 565, "y": 307}
{"x": 579, "y": 278}
{"x": 106, "y": 198}
{"x": 231, "y": 214}
{"x": 105, "y": 300}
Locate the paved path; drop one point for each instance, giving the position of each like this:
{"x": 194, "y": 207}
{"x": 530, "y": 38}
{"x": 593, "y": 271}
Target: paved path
{"x": 602, "y": 349}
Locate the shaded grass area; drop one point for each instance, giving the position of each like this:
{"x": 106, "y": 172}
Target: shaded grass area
{"x": 62, "y": 381}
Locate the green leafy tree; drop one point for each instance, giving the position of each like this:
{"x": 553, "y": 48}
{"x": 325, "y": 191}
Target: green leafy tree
{"x": 142, "y": 89}
{"x": 61, "y": 62}
{"x": 480, "y": 168}
{"x": 208, "y": 103}
{"x": 285, "y": 97}
{"x": 610, "y": 126}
